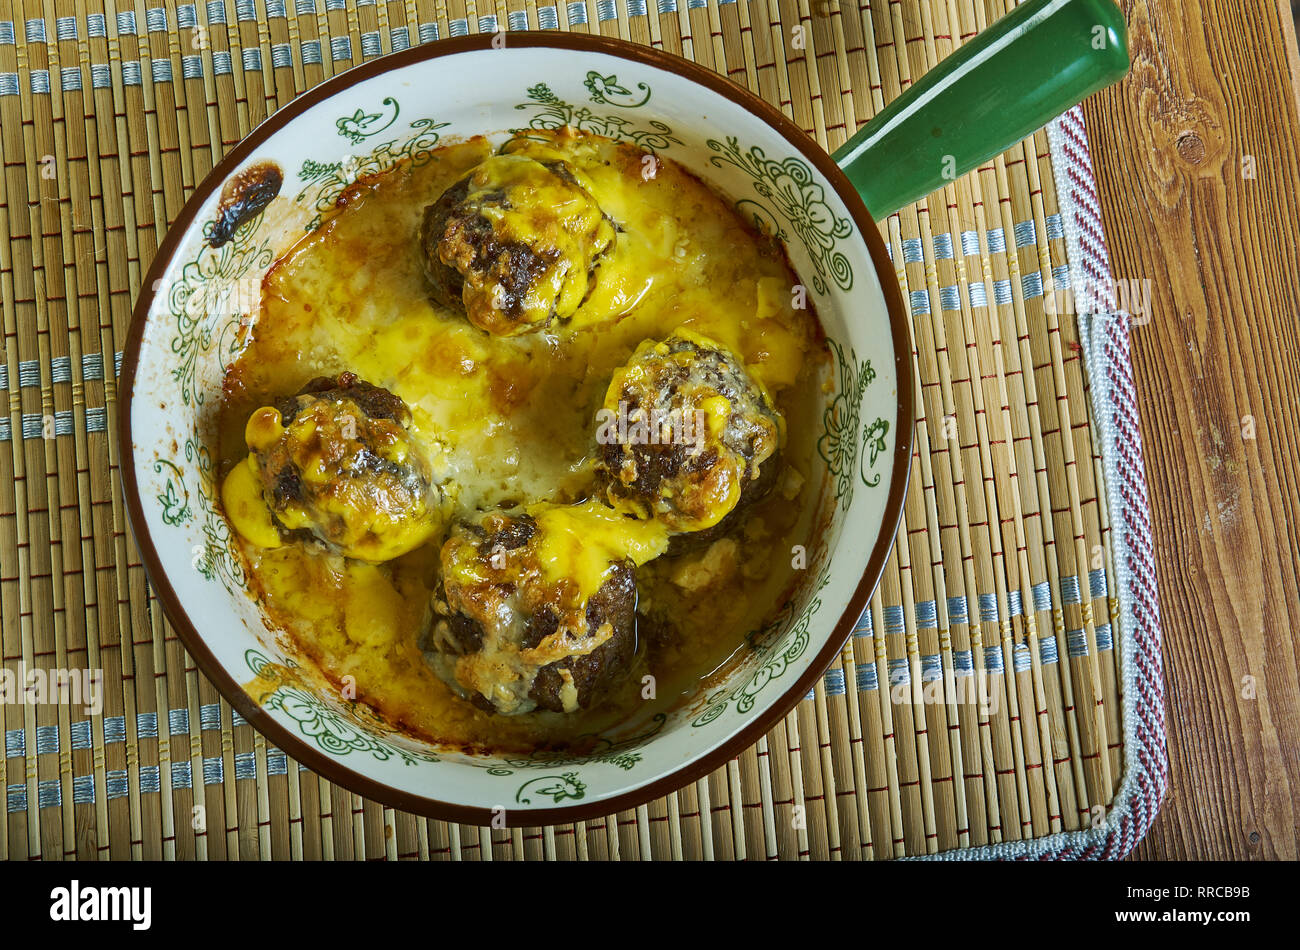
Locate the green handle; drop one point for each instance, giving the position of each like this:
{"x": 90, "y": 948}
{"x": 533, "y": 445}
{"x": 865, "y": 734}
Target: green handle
{"x": 1012, "y": 79}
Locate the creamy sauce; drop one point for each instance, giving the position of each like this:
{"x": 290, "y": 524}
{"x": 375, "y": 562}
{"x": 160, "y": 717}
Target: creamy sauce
{"x": 511, "y": 420}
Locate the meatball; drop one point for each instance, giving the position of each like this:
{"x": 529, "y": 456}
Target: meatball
{"x": 337, "y": 463}
{"x": 687, "y": 437}
{"x": 514, "y": 244}
{"x": 536, "y": 609}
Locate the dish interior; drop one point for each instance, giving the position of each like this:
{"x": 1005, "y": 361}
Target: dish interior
{"x": 512, "y": 421}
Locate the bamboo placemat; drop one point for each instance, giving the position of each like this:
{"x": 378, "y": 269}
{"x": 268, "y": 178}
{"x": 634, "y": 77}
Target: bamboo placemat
{"x": 110, "y": 115}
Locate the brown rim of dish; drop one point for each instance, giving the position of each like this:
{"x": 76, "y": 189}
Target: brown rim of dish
{"x": 334, "y": 770}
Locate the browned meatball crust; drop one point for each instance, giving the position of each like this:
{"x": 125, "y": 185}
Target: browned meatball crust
{"x": 514, "y": 244}
{"x": 687, "y": 437}
{"x": 513, "y": 632}
{"x": 337, "y": 464}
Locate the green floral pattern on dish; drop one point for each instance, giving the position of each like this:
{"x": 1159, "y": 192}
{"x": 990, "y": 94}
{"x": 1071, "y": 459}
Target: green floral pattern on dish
{"x": 838, "y": 444}
{"x": 873, "y": 446}
{"x": 175, "y": 508}
{"x": 331, "y": 730}
{"x": 554, "y": 114}
{"x": 208, "y": 298}
{"x": 324, "y": 182}
{"x": 606, "y": 90}
{"x": 778, "y": 644}
{"x": 558, "y": 788}
{"x": 791, "y": 193}
{"x": 357, "y": 127}
{"x": 604, "y": 751}
{"x": 218, "y": 556}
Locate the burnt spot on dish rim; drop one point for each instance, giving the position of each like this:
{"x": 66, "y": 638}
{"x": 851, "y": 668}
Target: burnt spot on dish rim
{"x": 244, "y": 196}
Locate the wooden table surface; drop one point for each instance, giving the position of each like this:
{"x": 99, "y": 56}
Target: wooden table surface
{"x": 1197, "y": 156}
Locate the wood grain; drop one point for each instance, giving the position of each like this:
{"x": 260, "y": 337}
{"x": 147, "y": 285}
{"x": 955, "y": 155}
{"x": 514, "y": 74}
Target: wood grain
{"x": 1198, "y": 160}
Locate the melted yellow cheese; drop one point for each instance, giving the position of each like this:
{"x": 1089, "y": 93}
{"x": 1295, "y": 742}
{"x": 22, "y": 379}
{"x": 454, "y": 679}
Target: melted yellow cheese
{"x": 580, "y": 541}
{"x": 241, "y": 496}
{"x": 263, "y": 429}
{"x": 346, "y": 499}
{"x": 372, "y": 605}
{"x": 511, "y": 420}
{"x": 530, "y": 205}
{"x": 701, "y": 414}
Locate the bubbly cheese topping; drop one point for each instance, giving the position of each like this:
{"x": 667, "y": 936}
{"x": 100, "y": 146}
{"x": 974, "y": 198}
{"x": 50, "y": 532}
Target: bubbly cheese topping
{"x": 355, "y": 483}
{"x": 580, "y": 541}
{"x": 541, "y": 220}
{"x": 527, "y": 589}
{"x": 241, "y": 496}
{"x": 509, "y": 420}
{"x": 699, "y": 430}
